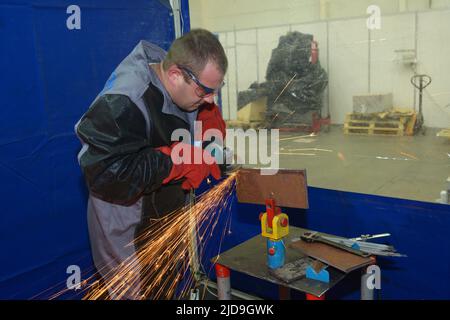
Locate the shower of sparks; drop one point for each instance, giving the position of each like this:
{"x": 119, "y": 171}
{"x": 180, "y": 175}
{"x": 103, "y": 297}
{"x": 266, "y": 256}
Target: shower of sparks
{"x": 287, "y": 85}
{"x": 276, "y": 99}
{"x": 295, "y": 154}
{"x": 164, "y": 252}
{"x": 409, "y": 155}
{"x": 311, "y": 149}
{"x": 299, "y": 137}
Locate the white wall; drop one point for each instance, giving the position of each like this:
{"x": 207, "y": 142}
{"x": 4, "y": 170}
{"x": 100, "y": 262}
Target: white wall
{"x": 348, "y": 69}
{"x": 347, "y": 57}
{"x": 397, "y": 33}
{"x": 434, "y": 60}
{"x": 338, "y": 9}
{"x": 219, "y": 15}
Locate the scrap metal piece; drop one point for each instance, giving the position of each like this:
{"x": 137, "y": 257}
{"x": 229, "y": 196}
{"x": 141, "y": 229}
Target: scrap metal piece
{"x": 365, "y": 237}
{"x": 369, "y": 247}
{"x": 288, "y": 187}
{"x": 292, "y": 271}
{"x": 314, "y": 237}
{"x": 332, "y": 256}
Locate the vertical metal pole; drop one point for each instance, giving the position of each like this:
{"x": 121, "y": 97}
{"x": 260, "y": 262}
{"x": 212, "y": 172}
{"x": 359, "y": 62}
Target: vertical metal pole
{"x": 445, "y": 194}
{"x": 369, "y": 46}
{"x": 257, "y": 55}
{"x": 176, "y": 11}
{"x": 223, "y": 282}
{"x": 323, "y": 14}
{"x": 193, "y": 253}
{"x": 416, "y": 41}
{"x": 284, "y": 293}
{"x": 236, "y": 68}
{"x": 312, "y": 297}
{"x": 228, "y": 81}
{"x": 328, "y": 68}
{"x": 366, "y": 293}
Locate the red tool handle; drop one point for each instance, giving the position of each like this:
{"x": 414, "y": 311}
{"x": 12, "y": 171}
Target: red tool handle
{"x": 272, "y": 211}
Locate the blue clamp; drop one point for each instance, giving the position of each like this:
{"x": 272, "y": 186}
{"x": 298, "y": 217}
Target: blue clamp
{"x": 323, "y": 275}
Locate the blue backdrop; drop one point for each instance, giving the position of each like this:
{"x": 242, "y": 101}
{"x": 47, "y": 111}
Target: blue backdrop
{"x": 49, "y": 76}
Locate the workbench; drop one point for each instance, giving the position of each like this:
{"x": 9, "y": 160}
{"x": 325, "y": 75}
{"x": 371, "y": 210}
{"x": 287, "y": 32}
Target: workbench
{"x": 250, "y": 257}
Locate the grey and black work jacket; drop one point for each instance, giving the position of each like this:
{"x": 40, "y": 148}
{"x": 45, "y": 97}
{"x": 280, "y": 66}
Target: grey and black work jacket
{"x": 131, "y": 117}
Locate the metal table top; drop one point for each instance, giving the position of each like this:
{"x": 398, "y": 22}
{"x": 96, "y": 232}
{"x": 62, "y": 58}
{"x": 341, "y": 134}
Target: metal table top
{"x": 250, "y": 258}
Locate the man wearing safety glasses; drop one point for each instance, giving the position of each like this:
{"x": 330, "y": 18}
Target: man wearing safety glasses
{"x": 126, "y": 137}
{"x": 203, "y": 92}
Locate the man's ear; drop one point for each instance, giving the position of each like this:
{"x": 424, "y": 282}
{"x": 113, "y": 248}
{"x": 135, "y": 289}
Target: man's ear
{"x": 174, "y": 75}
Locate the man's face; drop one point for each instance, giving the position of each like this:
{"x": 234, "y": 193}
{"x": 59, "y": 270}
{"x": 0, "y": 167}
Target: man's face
{"x": 196, "y": 90}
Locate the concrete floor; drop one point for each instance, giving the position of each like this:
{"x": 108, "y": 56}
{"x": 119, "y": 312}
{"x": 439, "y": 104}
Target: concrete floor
{"x": 414, "y": 168}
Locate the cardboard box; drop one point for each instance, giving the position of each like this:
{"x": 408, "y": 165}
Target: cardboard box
{"x": 372, "y": 103}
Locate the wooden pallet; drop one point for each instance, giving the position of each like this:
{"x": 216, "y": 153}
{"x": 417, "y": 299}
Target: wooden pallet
{"x": 444, "y": 133}
{"x": 357, "y": 124}
{"x": 244, "y": 124}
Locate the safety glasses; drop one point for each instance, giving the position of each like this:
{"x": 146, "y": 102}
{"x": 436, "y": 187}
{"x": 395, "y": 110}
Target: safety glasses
{"x": 201, "y": 90}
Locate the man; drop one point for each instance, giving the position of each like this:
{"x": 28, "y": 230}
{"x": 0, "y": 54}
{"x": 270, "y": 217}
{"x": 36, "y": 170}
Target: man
{"x": 126, "y": 140}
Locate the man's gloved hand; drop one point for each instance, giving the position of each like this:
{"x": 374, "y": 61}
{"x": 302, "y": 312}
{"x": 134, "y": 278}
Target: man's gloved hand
{"x": 209, "y": 115}
{"x": 184, "y": 165}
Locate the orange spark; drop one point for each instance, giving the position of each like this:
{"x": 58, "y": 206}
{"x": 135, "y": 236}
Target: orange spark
{"x": 165, "y": 256}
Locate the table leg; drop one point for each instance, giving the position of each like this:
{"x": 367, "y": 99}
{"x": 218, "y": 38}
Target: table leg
{"x": 284, "y": 293}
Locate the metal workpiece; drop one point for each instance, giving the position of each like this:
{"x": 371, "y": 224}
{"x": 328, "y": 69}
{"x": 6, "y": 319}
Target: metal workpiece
{"x": 288, "y": 187}
{"x": 366, "y": 237}
{"x": 369, "y": 247}
{"x": 315, "y": 237}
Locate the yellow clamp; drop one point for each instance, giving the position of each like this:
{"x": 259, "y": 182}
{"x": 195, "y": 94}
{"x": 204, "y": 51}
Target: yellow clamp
{"x": 280, "y": 226}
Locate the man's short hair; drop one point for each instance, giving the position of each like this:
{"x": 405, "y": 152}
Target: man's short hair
{"x": 194, "y": 50}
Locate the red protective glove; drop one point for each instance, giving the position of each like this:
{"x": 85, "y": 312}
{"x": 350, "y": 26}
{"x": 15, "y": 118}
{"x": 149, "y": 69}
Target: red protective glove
{"x": 211, "y": 118}
{"x": 184, "y": 166}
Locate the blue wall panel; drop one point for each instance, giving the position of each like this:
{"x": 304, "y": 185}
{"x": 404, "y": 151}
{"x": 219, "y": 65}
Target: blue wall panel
{"x": 49, "y": 77}
{"x": 419, "y": 230}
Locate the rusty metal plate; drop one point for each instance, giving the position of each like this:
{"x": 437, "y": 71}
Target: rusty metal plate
{"x": 287, "y": 187}
{"x": 340, "y": 259}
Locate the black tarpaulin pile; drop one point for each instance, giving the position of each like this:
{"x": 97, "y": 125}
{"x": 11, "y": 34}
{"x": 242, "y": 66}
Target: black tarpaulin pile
{"x": 294, "y": 86}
